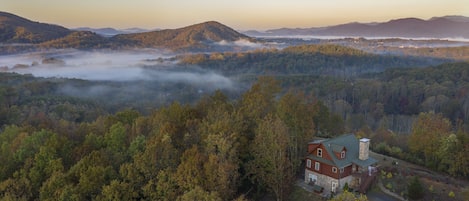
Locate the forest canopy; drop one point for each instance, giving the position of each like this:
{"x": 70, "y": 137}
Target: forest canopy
{"x": 178, "y": 142}
{"x": 214, "y": 150}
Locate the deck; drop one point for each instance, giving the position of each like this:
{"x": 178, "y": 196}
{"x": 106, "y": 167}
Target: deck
{"x": 366, "y": 179}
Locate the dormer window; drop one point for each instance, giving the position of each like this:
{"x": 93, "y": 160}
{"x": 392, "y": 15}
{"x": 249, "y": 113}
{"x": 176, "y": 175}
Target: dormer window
{"x": 319, "y": 152}
{"x": 342, "y": 154}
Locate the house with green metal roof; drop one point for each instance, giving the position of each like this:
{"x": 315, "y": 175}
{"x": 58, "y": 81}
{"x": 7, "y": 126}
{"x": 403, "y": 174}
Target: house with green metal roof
{"x": 332, "y": 163}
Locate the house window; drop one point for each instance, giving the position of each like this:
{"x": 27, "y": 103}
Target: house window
{"x": 319, "y": 152}
{"x": 317, "y": 166}
{"x": 342, "y": 154}
{"x": 308, "y": 163}
{"x": 341, "y": 170}
{"x": 334, "y": 169}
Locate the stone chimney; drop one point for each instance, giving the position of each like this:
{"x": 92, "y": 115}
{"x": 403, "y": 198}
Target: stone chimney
{"x": 364, "y": 149}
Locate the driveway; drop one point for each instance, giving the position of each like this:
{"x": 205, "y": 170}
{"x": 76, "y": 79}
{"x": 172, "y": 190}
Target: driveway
{"x": 379, "y": 196}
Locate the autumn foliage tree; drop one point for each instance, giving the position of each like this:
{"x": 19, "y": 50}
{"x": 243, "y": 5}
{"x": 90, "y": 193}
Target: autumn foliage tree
{"x": 349, "y": 196}
{"x": 271, "y": 166}
{"x": 218, "y": 149}
{"x": 427, "y": 134}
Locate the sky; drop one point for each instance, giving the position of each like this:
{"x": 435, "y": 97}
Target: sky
{"x": 239, "y": 14}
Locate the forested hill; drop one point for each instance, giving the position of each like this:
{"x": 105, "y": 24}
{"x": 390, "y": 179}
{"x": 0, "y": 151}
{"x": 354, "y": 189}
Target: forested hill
{"x": 326, "y": 59}
{"x": 194, "y": 37}
{"x": 206, "y": 36}
{"x": 15, "y": 29}
{"x": 325, "y": 49}
{"x": 79, "y": 40}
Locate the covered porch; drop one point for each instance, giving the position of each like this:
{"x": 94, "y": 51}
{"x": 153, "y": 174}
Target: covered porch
{"x": 364, "y": 173}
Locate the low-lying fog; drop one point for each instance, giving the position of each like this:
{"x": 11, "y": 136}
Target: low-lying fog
{"x": 147, "y": 65}
{"x": 383, "y": 41}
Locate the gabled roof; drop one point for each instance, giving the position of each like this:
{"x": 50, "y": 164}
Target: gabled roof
{"x": 347, "y": 141}
{"x": 337, "y": 148}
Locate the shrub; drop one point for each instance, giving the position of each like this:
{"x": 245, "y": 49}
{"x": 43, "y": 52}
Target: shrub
{"x": 383, "y": 174}
{"x": 389, "y": 186}
{"x": 389, "y": 175}
{"x": 451, "y": 194}
{"x": 415, "y": 189}
{"x": 431, "y": 189}
{"x": 346, "y": 188}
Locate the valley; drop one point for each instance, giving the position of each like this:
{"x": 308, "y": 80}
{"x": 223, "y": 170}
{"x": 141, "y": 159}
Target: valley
{"x": 166, "y": 113}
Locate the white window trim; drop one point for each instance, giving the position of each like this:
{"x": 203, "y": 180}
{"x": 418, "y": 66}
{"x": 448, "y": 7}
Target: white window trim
{"x": 334, "y": 169}
{"x": 308, "y": 163}
{"x": 342, "y": 154}
{"x": 319, "y": 152}
{"x": 341, "y": 170}
{"x": 317, "y": 166}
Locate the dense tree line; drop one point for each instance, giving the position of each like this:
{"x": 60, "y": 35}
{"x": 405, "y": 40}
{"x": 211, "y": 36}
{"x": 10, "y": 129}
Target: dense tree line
{"x": 460, "y": 53}
{"x": 392, "y": 99}
{"x": 332, "y": 60}
{"x": 438, "y": 146}
{"x": 434, "y": 142}
{"x": 430, "y": 49}
{"x": 25, "y": 99}
{"x": 217, "y": 149}
{"x": 83, "y": 100}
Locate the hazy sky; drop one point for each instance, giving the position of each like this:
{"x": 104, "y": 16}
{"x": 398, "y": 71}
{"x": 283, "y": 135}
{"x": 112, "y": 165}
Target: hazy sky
{"x": 239, "y": 14}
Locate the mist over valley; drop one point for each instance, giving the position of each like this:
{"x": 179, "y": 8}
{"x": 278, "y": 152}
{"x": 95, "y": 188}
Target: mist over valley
{"x": 135, "y": 78}
{"x": 142, "y": 67}
{"x": 206, "y": 112}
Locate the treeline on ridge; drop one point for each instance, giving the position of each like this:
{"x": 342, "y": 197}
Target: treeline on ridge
{"x": 333, "y": 60}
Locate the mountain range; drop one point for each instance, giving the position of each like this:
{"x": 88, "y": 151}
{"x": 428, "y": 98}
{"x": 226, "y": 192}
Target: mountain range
{"x": 207, "y": 36}
{"x": 198, "y": 37}
{"x": 436, "y": 27}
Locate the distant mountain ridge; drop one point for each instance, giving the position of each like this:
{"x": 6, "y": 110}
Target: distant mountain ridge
{"x": 436, "y": 27}
{"x": 455, "y": 18}
{"x": 198, "y": 37}
{"x": 108, "y": 32}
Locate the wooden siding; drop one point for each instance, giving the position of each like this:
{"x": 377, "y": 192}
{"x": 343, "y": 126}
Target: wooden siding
{"x": 326, "y": 169}
{"x": 312, "y": 147}
{"x": 347, "y": 171}
{"x": 325, "y": 155}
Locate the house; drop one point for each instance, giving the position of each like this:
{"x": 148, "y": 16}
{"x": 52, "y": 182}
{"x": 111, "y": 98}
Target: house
{"x": 332, "y": 163}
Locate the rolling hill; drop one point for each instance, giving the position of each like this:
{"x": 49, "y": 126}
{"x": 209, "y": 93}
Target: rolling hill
{"x": 199, "y": 37}
{"x": 78, "y": 40}
{"x": 195, "y": 37}
{"x": 15, "y": 29}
